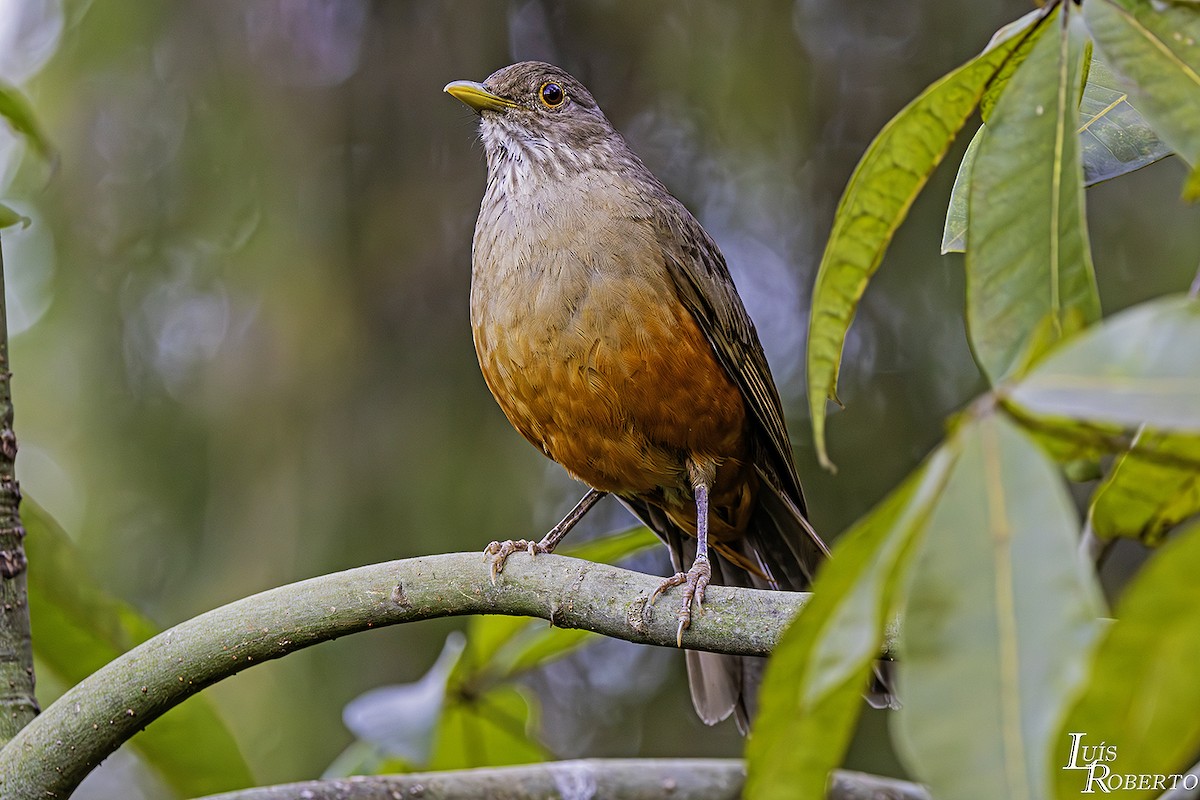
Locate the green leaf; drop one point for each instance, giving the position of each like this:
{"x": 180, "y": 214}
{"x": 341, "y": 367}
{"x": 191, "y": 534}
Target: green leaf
{"x": 1081, "y": 445}
{"x": 486, "y": 636}
{"x": 398, "y": 721}
{"x": 1154, "y": 48}
{"x": 1142, "y": 695}
{"x": 954, "y": 233}
{"x": 1150, "y": 489}
{"x": 502, "y": 647}
{"x": 1139, "y": 366}
{"x": 79, "y": 628}
{"x": 877, "y": 198}
{"x": 999, "y": 620}
{"x": 1191, "y": 189}
{"x": 1114, "y": 138}
{"x": 489, "y": 729}
{"x": 811, "y": 693}
{"x": 997, "y": 84}
{"x": 613, "y": 547}
{"x": 19, "y": 114}
{"x": 364, "y": 758}
{"x": 540, "y": 645}
{"x": 1028, "y": 259}
{"x": 9, "y": 217}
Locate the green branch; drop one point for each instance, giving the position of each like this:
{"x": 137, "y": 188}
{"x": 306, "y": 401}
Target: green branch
{"x": 52, "y": 754}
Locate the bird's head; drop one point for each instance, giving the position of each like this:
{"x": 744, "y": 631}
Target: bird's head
{"x": 534, "y": 116}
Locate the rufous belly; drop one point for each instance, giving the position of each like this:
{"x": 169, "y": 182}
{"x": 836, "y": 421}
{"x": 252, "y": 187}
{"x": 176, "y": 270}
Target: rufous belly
{"x": 621, "y": 389}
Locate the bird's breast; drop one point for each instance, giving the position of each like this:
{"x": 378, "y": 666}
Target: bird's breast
{"x": 583, "y": 340}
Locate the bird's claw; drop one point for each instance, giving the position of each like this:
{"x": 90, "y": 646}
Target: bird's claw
{"x": 694, "y": 582}
{"x": 498, "y": 553}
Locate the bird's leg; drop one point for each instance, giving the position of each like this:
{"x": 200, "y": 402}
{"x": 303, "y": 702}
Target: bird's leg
{"x": 696, "y": 579}
{"x": 499, "y": 552}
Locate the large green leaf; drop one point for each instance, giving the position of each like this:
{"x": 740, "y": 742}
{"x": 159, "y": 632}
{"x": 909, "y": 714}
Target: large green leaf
{"x": 489, "y": 729}
{"x": 537, "y": 645}
{"x": 1114, "y": 138}
{"x": 1150, "y": 489}
{"x": 1029, "y": 271}
{"x": 877, "y": 198}
{"x": 1139, "y": 366}
{"x": 997, "y": 84}
{"x": 396, "y": 723}
{"x": 78, "y": 628}
{"x": 1153, "y": 48}
{"x": 812, "y": 689}
{"x": 1078, "y": 446}
{"x": 999, "y": 620}
{"x": 1142, "y": 696}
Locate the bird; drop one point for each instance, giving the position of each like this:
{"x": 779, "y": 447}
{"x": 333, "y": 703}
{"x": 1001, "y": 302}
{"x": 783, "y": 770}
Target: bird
{"x": 612, "y": 336}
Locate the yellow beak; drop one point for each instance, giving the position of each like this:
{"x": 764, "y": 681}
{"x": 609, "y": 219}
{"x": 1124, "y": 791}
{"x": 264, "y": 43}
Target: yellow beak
{"x": 477, "y": 97}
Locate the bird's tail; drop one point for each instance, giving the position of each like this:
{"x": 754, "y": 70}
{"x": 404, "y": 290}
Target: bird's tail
{"x": 791, "y": 549}
{"x": 779, "y": 551}
{"x": 720, "y": 684}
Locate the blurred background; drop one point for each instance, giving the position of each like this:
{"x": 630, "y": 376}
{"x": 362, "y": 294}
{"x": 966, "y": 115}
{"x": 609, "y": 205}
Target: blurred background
{"x": 239, "y": 321}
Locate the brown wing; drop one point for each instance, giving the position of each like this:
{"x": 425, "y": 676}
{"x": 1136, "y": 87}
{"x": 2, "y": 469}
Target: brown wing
{"x": 705, "y": 287}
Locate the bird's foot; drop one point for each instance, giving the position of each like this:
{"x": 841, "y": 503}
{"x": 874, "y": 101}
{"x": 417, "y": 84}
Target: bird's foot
{"x": 694, "y": 582}
{"x": 498, "y": 552}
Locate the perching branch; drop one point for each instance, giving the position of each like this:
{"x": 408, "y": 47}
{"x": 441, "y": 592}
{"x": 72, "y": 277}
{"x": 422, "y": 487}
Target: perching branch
{"x": 1179, "y": 792}
{"x": 51, "y": 755}
{"x": 17, "y": 703}
{"x": 629, "y": 779}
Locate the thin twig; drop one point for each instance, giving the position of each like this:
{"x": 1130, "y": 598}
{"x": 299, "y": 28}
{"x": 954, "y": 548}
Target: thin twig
{"x": 628, "y": 779}
{"x": 17, "y": 703}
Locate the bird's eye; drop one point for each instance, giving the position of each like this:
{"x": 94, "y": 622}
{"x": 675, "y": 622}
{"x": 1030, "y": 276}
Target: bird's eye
{"x": 552, "y": 95}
